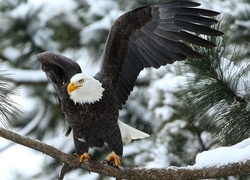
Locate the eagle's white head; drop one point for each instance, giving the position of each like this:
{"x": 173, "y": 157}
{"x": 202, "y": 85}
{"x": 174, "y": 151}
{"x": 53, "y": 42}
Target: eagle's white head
{"x": 84, "y": 89}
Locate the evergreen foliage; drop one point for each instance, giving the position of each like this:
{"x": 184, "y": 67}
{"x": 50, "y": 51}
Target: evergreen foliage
{"x": 9, "y": 112}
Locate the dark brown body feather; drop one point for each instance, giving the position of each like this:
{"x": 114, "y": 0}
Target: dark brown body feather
{"x": 96, "y": 123}
{"x": 149, "y": 36}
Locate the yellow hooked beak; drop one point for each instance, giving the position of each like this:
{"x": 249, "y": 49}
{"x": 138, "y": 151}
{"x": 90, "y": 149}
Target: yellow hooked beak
{"x": 71, "y": 87}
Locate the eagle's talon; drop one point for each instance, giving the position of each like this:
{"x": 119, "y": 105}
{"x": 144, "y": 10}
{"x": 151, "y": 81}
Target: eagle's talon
{"x": 82, "y": 157}
{"x": 113, "y": 160}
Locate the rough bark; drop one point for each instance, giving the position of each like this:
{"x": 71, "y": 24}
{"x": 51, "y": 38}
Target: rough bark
{"x": 70, "y": 161}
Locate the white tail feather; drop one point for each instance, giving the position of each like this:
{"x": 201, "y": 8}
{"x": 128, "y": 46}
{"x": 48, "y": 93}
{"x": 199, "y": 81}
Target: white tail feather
{"x": 129, "y": 133}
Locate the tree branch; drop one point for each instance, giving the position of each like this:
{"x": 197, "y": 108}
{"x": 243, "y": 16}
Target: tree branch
{"x": 129, "y": 173}
{"x": 64, "y": 170}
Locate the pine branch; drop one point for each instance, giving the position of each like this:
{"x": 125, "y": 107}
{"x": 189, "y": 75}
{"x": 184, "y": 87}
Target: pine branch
{"x": 129, "y": 173}
{"x": 8, "y": 108}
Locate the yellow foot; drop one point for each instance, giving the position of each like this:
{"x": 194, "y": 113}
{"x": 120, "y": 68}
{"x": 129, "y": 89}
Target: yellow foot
{"x": 82, "y": 157}
{"x": 114, "y": 159}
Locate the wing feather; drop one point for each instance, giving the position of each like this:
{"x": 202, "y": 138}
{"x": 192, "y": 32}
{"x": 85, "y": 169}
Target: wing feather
{"x": 153, "y": 36}
{"x": 152, "y": 51}
{"x": 153, "y": 40}
{"x": 183, "y": 36}
{"x": 58, "y": 69}
{"x": 194, "y": 19}
{"x": 134, "y": 54}
{"x": 188, "y": 11}
{"x": 182, "y": 25}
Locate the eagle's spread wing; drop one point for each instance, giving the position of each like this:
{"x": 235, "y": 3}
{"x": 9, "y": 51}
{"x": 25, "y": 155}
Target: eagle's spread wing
{"x": 58, "y": 69}
{"x": 152, "y": 36}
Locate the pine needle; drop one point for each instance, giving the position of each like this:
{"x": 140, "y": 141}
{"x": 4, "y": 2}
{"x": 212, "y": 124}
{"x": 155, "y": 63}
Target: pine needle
{"x": 9, "y": 111}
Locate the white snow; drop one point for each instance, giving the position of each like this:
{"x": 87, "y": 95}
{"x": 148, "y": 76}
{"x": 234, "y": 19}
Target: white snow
{"x": 19, "y": 75}
{"x": 231, "y": 71}
{"x": 111, "y": 10}
{"x": 11, "y": 53}
{"x": 101, "y": 8}
{"x": 224, "y": 155}
{"x": 52, "y": 8}
{"x": 78, "y": 173}
{"x": 18, "y": 159}
{"x": 164, "y": 112}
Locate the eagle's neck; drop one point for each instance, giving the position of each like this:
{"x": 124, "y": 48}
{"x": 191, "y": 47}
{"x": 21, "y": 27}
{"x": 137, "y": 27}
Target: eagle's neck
{"x": 89, "y": 93}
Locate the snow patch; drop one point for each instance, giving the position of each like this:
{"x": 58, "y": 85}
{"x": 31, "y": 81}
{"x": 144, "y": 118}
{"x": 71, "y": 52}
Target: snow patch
{"x": 224, "y": 155}
{"x": 27, "y": 75}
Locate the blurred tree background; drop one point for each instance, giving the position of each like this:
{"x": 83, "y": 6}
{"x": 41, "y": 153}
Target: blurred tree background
{"x": 186, "y": 107}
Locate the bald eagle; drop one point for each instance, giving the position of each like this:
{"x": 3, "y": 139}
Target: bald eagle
{"x": 148, "y": 36}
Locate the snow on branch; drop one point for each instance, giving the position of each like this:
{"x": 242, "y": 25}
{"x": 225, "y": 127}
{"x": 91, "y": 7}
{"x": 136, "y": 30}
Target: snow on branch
{"x": 26, "y": 76}
{"x": 70, "y": 161}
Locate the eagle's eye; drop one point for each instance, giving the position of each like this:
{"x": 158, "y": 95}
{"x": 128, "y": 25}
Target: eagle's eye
{"x": 81, "y": 81}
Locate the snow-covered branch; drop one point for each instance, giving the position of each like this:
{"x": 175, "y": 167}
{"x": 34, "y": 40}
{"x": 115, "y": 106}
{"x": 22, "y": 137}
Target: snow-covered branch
{"x": 26, "y": 76}
{"x": 130, "y": 173}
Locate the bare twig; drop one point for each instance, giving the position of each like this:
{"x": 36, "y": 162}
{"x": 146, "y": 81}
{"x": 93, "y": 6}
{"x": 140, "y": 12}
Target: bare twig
{"x": 129, "y": 173}
{"x": 64, "y": 170}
